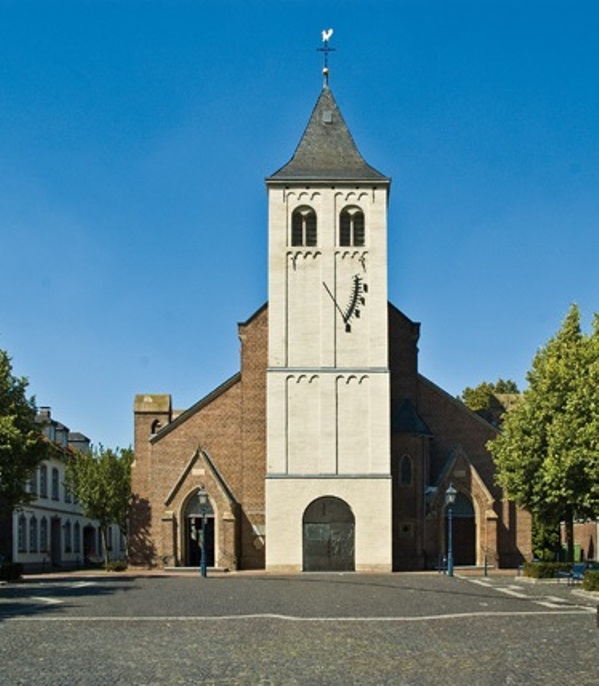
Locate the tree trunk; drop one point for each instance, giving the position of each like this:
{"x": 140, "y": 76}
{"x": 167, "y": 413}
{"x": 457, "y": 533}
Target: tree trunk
{"x": 104, "y": 534}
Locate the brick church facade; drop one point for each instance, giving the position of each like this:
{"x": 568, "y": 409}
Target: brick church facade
{"x": 328, "y": 450}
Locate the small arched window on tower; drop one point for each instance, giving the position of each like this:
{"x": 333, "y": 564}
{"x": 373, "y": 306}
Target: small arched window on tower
{"x": 303, "y": 226}
{"x": 351, "y": 227}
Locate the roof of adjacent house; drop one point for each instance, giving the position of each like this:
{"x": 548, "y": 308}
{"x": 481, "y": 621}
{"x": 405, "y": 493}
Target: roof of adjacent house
{"x": 326, "y": 151}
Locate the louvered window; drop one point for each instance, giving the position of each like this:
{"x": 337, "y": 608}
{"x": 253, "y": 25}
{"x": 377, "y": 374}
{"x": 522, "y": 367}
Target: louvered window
{"x": 351, "y": 227}
{"x": 303, "y": 227}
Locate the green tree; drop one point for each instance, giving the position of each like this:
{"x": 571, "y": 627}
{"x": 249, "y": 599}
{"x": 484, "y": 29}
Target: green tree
{"x": 101, "y": 481}
{"x": 547, "y": 455}
{"x": 22, "y": 446}
{"x": 490, "y": 400}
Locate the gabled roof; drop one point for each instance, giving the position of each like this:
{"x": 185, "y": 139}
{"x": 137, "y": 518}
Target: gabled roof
{"x": 202, "y": 457}
{"x": 196, "y": 407}
{"x": 327, "y": 151}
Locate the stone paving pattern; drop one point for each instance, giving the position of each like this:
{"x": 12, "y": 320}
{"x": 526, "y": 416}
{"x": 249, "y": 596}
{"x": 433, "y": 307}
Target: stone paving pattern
{"x": 305, "y": 629}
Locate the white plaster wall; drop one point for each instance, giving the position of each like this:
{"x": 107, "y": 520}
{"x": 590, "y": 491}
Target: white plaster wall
{"x": 369, "y": 499}
{"x": 303, "y": 323}
{"x": 327, "y": 389}
{"x": 304, "y": 435}
{"x": 305, "y": 328}
{"x": 328, "y": 423}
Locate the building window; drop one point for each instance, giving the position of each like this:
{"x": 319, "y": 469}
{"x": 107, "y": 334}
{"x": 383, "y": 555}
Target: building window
{"x": 22, "y": 534}
{"x": 68, "y": 498}
{"x": 405, "y": 471}
{"x": 55, "y": 483}
{"x": 50, "y": 431}
{"x": 43, "y": 535}
{"x": 32, "y": 484}
{"x": 43, "y": 481}
{"x": 33, "y": 535}
{"x": 303, "y": 226}
{"x": 68, "y": 544}
{"x": 77, "y": 538}
{"x": 351, "y": 227}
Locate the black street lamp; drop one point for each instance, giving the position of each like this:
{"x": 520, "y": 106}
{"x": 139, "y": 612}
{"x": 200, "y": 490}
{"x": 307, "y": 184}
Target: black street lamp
{"x": 204, "y": 509}
{"x": 450, "y": 496}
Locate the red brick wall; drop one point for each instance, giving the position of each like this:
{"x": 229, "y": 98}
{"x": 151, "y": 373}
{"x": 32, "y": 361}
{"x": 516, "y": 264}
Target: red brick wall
{"x": 230, "y": 426}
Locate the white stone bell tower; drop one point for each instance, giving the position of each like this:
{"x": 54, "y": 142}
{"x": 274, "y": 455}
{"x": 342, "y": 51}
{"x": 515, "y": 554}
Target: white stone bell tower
{"x": 328, "y": 483}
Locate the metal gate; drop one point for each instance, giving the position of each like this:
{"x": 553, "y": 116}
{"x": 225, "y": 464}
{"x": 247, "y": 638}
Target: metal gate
{"x": 328, "y": 536}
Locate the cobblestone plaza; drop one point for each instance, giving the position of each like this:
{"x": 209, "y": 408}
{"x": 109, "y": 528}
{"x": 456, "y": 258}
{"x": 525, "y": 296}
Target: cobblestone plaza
{"x": 311, "y": 629}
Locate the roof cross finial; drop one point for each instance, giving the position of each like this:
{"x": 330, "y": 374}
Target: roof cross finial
{"x": 326, "y": 36}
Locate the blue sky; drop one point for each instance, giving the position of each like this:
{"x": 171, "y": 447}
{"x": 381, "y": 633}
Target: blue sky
{"x": 135, "y": 138}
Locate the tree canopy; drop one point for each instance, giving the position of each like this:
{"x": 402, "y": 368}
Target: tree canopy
{"x": 101, "y": 481}
{"x": 547, "y": 455}
{"x": 22, "y": 446}
{"x": 490, "y": 400}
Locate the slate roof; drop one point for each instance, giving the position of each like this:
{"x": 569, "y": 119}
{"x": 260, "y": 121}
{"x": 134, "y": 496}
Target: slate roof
{"x": 406, "y": 420}
{"x": 326, "y": 151}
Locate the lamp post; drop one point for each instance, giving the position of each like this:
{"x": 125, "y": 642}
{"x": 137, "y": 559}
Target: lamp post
{"x": 450, "y": 496}
{"x": 204, "y": 507}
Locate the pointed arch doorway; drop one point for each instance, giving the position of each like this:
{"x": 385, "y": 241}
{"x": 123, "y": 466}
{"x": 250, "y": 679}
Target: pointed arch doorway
{"x": 464, "y": 531}
{"x": 328, "y": 529}
{"x": 192, "y": 533}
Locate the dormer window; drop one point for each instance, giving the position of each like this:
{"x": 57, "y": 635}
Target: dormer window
{"x": 351, "y": 227}
{"x": 303, "y": 227}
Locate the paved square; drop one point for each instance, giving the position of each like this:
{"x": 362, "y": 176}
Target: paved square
{"x": 304, "y": 629}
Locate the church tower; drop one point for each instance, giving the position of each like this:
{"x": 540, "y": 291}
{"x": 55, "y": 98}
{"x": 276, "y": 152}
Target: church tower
{"x": 328, "y": 481}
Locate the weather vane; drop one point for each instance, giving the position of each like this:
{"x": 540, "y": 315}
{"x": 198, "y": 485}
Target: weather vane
{"x": 326, "y": 36}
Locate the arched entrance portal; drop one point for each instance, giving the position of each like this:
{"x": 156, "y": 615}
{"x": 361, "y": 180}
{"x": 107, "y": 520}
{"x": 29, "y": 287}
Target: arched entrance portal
{"x": 464, "y": 531}
{"x": 328, "y": 536}
{"x": 192, "y": 533}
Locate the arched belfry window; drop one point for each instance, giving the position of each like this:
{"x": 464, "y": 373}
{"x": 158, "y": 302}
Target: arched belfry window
{"x": 351, "y": 227}
{"x": 303, "y": 226}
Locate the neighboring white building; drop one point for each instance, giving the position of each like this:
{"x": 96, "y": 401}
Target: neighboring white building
{"x": 51, "y": 531}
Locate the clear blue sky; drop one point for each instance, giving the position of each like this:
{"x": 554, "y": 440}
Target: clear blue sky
{"x": 135, "y": 138}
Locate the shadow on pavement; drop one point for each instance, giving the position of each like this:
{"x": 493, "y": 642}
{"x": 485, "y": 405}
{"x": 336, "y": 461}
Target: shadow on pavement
{"x": 51, "y": 595}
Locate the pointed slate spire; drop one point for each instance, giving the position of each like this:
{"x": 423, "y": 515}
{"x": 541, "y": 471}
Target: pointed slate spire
{"x": 327, "y": 151}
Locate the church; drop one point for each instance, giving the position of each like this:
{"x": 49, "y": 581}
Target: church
{"x": 328, "y": 450}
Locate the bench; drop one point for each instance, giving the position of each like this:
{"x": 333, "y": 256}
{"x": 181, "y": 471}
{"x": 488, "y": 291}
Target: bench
{"x": 574, "y": 575}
